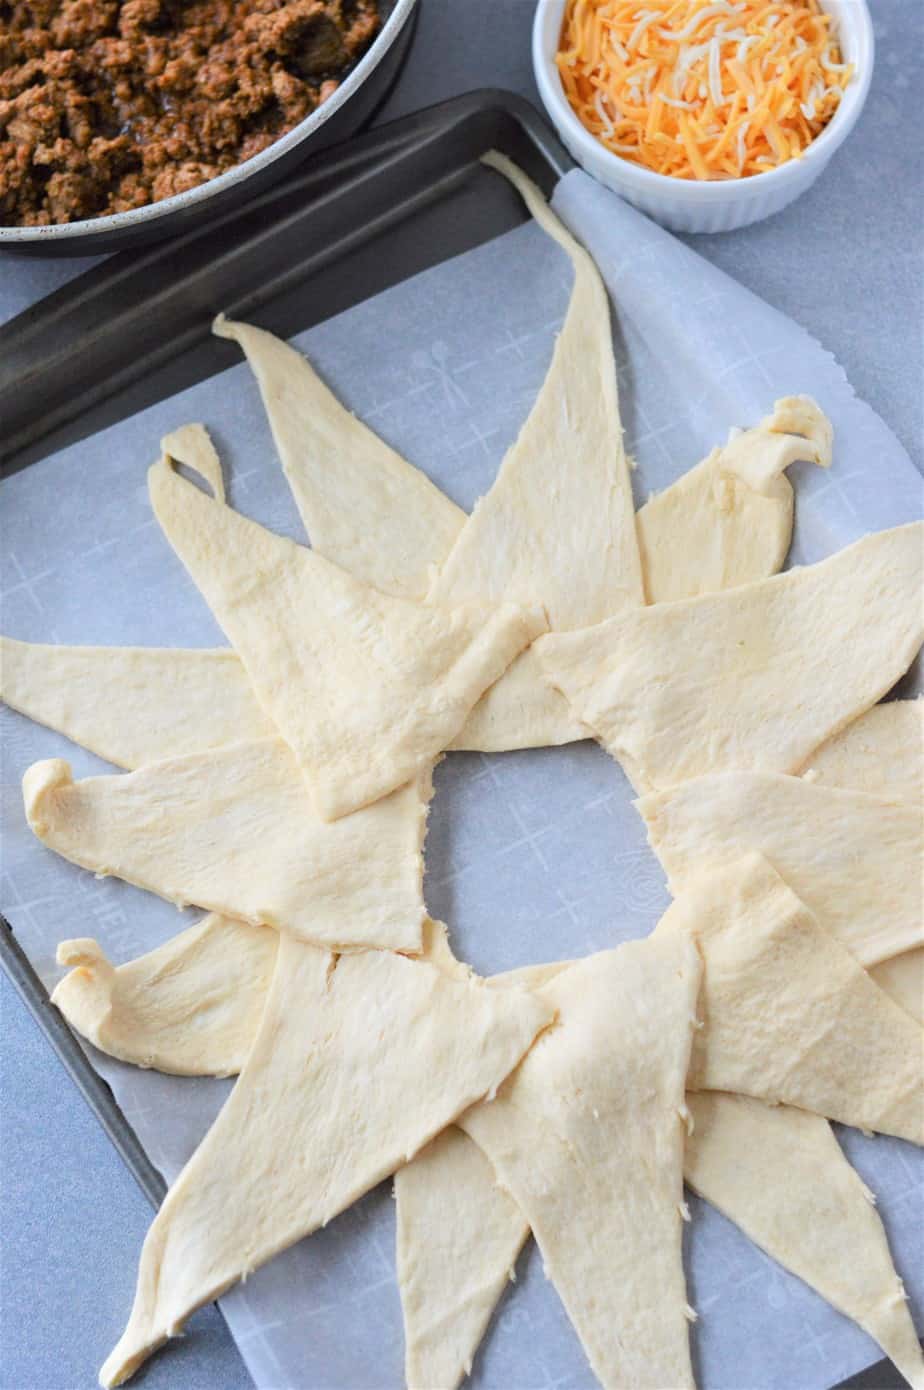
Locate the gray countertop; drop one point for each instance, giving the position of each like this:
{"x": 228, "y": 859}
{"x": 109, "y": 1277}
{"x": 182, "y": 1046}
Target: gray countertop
{"x": 845, "y": 261}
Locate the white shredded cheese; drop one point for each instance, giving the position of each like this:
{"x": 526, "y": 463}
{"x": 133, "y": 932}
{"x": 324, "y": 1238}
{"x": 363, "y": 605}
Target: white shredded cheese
{"x": 744, "y": 45}
{"x": 829, "y": 65}
{"x": 715, "y": 73}
{"x": 742, "y": 136}
{"x": 720, "y": 7}
{"x": 687, "y": 57}
{"x": 599, "y": 100}
{"x": 645, "y": 19}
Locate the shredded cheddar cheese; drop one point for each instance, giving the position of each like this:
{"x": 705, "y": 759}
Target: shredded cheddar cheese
{"x": 702, "y": 89}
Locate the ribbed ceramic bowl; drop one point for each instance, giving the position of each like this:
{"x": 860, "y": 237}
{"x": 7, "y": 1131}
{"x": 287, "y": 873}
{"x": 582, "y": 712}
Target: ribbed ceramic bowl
{"x": 688, "y": 205}
{"x": 335, "y": 119}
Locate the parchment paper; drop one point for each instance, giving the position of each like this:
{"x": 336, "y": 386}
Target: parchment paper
{"x": 531, "y": 856}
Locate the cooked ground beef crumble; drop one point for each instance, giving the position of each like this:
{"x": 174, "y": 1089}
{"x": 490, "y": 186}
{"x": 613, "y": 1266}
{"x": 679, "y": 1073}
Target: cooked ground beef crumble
{"x": 107, "y": 106}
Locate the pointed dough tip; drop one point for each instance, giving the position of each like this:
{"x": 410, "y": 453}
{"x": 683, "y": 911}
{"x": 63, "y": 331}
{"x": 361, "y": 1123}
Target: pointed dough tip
{"x": 191, "y": 446}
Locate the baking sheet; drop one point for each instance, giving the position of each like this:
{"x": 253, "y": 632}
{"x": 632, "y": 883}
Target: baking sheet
{"x": 531, "y": 856}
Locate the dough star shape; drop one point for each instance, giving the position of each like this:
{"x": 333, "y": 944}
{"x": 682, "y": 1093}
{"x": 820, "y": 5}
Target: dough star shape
{"x": 408, "y": 628}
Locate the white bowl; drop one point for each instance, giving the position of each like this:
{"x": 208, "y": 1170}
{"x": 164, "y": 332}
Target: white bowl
{"x": 690, "y": 205}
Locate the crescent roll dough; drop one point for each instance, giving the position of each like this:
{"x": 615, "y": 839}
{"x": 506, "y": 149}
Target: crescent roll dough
{"x": 558, "y": 523}
{"x": 363, "y": 505}
{"x": 134, "y": 705}
{"x": 902, "y": 978}
{"x": 587, "y": 1137}
{"x": 789, "y": 1016}
{"x": 359, "y": 1062}
{"x": 233, "y": 831}
{"x": 751, "y": 679}
{"x": 882, "y": 752}
{"x": 365, "y": 688}
{"x": 458, "y": 1231}
{"x": 191, "y": 1007}
{"x": 778, "y": 1173}
{"x": 728, "y": 521}
{"x": 781, "y": 1176}
{"x": 458, "y": 1236}
{"x": 853, "y": 859}
{"x": 192, "y": 445}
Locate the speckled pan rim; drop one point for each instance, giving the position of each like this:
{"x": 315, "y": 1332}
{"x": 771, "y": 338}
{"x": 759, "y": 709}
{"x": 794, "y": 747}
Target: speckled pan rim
{"x": 852, "y": 14}
{"x": 100, "y": 227}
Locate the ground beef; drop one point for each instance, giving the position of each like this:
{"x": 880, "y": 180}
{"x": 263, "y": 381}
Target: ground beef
{"x": 106, "y": 106}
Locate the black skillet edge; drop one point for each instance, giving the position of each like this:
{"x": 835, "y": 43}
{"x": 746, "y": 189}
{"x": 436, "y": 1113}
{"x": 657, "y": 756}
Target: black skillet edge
{"x": 123, "y": 319}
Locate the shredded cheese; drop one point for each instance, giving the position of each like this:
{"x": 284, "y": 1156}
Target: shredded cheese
{"x": 702, "y": 89}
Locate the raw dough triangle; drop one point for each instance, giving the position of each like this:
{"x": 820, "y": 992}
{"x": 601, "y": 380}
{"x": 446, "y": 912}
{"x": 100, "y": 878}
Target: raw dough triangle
{"x": 133, "y": 705}
{"x": 558, "y": 524}
{"x": 358, "y": 1063}
{"x": 754, "y": 678}
{"x": 728, "y": 521}
{"x": 521, "y": 710}
{"x": 191, "y": 1007}
{"x": 788, "y": 1015}
{"x": 136, "y": 705}
{"x": 366, "y": 689}
{"x": 369, "y": 511}
{"x": 364, "y": 507}
{"x": 780, "y": 1175}
{"x": 458, "y": 1237}
{"x": 233, "y": 830}
{"x": 587, "y": 1137}
{"x": 853, "y": 859}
